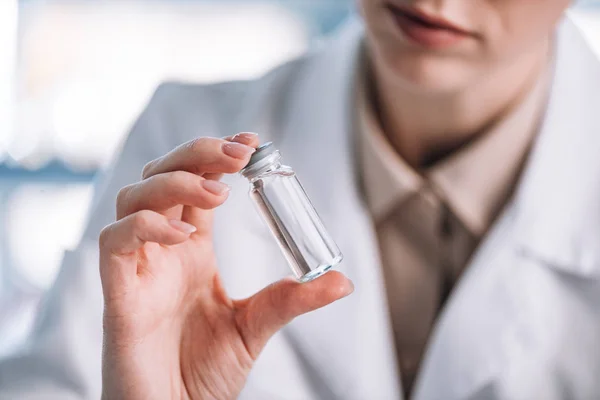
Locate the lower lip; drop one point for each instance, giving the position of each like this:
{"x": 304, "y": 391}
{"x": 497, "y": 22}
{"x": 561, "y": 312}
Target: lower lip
{"x": 427, "y": 36}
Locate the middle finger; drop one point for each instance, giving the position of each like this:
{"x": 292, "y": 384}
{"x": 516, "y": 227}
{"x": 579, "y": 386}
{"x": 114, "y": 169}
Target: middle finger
{"x": 167, "y": 190}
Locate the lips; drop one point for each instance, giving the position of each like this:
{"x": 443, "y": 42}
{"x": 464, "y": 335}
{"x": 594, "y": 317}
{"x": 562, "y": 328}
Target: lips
{"x": 427, "y": 30}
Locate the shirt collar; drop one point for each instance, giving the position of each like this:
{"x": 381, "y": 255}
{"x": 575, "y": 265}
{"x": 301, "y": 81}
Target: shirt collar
{"x": 474, "y": 182}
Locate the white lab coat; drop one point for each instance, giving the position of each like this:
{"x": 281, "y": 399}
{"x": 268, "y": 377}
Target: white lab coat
{"x": 523, "y": 323}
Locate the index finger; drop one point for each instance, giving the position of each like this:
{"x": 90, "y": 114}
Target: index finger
{"x": 202, "y": 155}
{"x": 247, "y": 138}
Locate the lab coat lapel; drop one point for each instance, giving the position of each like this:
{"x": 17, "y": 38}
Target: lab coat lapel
{"x": 346, "y": 345}
{"x": 560, "y": 212}
{"x": 553, "y": 223}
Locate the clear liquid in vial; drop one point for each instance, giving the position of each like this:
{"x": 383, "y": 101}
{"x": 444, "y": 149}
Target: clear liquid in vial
{"x": 295, "y": 224}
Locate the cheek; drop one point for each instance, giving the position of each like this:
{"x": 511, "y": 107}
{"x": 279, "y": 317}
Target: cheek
{"x": 519, "y": 26}
{"x": 374, "y": 16}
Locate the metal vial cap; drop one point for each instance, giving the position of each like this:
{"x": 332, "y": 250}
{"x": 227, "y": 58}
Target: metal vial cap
{"x": 262, "y": 152}
{"x": 264, "y": 156}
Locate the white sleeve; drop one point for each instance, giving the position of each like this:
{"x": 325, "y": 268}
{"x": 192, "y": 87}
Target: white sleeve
{"x": 62, "y": 359}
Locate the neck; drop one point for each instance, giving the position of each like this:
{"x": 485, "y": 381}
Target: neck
{"x": 424, "y": 127}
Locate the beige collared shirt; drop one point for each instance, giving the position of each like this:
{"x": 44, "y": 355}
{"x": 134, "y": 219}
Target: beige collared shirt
{"x": 430, "y": 222}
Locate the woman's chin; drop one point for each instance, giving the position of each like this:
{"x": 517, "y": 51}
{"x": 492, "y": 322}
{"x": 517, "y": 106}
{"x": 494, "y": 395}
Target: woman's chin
{"x": 433, "y": 75}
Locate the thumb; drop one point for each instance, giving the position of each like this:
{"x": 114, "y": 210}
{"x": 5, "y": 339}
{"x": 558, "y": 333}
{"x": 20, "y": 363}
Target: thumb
{"x": 269, "y": 310}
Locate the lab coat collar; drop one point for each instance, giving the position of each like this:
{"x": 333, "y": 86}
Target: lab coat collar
{"x": 558, "y": 203}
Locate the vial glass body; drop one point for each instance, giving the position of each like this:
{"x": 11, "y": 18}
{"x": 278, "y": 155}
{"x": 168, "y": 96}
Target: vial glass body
{"x": 292, "y": 219}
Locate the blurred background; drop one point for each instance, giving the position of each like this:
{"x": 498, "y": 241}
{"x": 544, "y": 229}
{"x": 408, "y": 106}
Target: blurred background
{"x": 75, "y": 74}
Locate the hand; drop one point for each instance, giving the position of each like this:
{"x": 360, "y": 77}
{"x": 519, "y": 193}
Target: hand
{"x": 170, "y": 330}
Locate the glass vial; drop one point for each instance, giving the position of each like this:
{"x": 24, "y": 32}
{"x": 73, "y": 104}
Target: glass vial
{"x": 289, "y": 214}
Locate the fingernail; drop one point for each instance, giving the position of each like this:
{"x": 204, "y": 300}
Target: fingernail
{"x": 245, "y": 137}
{"x": 237, "y": 150}
{"x": 215, "y": 187}
{"x": 350, "y": 287}
{"x": 182, "y": 226}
